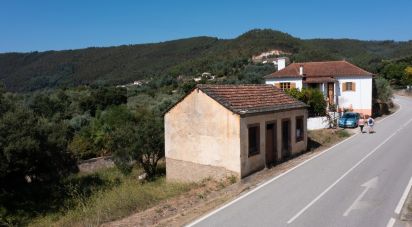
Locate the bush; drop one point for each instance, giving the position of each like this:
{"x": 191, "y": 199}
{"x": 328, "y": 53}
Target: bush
{"x": 313, "y": 98}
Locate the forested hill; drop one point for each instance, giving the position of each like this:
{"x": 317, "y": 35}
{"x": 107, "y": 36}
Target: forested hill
{"x": 190, "y": 57}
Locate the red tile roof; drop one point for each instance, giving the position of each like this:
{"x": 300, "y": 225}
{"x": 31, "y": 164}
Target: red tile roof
{"x": 319, "y": 69}
{"x": 251, "y": 98}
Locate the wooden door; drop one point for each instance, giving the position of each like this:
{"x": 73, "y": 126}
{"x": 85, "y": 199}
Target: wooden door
{"x": 331, "y": 93}
{"x": 271, "y": 145}
{"x": 286, "y": 141}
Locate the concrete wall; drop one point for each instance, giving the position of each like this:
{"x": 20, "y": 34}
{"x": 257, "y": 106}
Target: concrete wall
{"x": 296, "y": 80}
{"x": 258, "y": 161}
{"x": 359, "y": 100}
{"x": 317, "y": 123}
{"x": 201, "y": 132}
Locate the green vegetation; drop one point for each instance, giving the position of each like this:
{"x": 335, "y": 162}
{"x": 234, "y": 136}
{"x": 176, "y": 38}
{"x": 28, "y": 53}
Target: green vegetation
{"x": 44, "y": 134}
{"x": 398, "y": 72}
{"x": 384, "y": 91}
{"x": 187, "y": 57}
{"x": 313, "y": 98}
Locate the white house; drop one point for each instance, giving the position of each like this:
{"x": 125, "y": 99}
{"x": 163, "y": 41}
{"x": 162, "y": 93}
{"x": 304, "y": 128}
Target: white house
{"x": 343, "y": 84}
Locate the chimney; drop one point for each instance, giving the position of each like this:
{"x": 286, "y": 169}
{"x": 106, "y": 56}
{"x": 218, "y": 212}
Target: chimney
{"x": 301, "y": 70}
{"x": 281, "y": 63}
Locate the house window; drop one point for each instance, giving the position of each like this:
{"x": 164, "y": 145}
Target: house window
{"x": 299, "y": 129}
{"x": 254, "y": 139}
{"x": 285, "y": 86}
{"x": 348, "y": 86}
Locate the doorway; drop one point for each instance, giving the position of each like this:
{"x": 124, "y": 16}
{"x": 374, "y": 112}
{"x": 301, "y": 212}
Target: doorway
{"x": 271, "y": 144}
{"x": 286, "y": 142}
{"x": 331, "y": 93}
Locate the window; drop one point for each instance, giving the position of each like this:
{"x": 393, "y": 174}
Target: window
{"x": 299, "y": 129}
{"x": 285, "y": 86}
{"x": 348, "y": 86}
{"x": 254, "y": 139}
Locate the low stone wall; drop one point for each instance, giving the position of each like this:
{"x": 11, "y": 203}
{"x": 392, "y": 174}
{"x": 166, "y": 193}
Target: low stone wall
{"x": 317, "y": 123}
{"x": 94, "y": 164}
{"x": 177, "y": 170}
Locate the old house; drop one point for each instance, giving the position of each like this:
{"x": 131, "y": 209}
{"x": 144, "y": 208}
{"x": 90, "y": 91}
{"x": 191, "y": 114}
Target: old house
{"x": 220, "y": 130}
{"x": 343, "y": 84}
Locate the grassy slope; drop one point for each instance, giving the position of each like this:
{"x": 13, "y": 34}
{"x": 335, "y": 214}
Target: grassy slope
{"x": 116, "y": 196}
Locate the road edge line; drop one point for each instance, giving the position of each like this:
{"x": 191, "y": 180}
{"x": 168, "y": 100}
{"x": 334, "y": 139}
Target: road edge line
{"x": 391, "y": 222}
{"x": 403, "y": 198}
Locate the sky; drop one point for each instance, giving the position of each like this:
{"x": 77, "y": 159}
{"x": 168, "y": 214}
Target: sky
{"x": 40, "y": 25}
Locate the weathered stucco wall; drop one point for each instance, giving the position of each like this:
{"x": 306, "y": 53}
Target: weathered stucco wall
{"x": 258, "y": 161}
{"x": 201, "y": 131}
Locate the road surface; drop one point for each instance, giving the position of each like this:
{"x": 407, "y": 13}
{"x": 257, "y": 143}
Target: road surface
{"x": 359, "y": 182}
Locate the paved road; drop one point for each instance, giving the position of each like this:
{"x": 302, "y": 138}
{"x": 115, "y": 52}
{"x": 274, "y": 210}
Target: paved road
{"x": 359, "y": 182}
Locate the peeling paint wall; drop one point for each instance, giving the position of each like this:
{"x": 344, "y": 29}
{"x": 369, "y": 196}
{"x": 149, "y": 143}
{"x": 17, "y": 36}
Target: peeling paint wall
{"x": 200, "y": 130}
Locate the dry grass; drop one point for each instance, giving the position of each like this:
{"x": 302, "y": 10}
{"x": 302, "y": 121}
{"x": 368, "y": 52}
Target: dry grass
{"x": 326, "y": 137}
{"x": 127, "y": 196}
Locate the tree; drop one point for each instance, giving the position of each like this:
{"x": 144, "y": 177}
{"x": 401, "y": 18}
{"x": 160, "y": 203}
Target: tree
{"x": 33, "y": 149}
{"x": 407, "y": 77}
{"x": 383, "y": 90}
{"x": 143, "y": 143}
{"x": 394, "y": 72}
{"x": 93, "y": 140}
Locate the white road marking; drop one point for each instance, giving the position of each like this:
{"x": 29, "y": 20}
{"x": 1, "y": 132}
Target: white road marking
{"x": 403, "y": 198}
{"x": 358, "y": 204}
{"x": 266, "y": 183}
{"x": 391, "y": 222}
{"x": 345, "y": 174}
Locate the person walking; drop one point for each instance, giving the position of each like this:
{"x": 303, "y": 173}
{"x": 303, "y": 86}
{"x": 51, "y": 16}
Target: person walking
{"x": 371, "y": 123}
{"x": 361, "y": 123}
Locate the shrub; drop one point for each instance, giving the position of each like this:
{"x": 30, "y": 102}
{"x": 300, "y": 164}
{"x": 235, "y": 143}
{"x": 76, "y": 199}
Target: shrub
{"x": 313, "y": 98}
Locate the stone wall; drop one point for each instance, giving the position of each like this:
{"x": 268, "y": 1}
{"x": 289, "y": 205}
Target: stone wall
{"x": 184, "y": 171}
{"x": 94, "y": 164}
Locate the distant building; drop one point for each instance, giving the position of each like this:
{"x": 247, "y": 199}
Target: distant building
{"x": 342, "y": 83}
{"x": 221, "y": 130}
{"x": 268, "y": 54}
{"x": 206, "y": 76}
{"x": 279, "y": 62}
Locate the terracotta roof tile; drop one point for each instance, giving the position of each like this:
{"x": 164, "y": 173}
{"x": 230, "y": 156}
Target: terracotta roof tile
{"x": 251, "y": 98}
{"x": 318, "y": 69}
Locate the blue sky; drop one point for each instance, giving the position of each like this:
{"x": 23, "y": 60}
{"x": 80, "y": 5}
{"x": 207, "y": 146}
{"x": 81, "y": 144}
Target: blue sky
{"x": 54, "y": 25}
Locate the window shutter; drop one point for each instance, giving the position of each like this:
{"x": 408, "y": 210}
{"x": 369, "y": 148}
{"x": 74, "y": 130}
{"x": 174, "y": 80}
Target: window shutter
{"x": 353, "y": 86}
{"x": 277, "y": 85}
{"x": 344, "y": 86}
{"x": 292, "y": 85}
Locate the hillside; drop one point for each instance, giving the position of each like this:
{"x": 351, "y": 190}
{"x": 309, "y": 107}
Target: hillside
{"x": 192, "y": 56}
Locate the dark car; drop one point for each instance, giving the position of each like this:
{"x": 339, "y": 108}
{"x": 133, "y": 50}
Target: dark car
{"x": 349, "y": 120}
